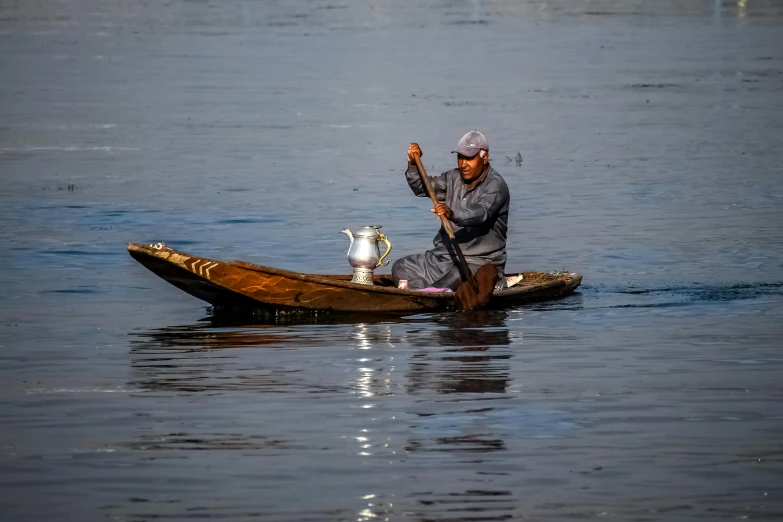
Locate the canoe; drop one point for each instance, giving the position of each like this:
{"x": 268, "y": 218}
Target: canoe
{"x": 240, "y": 285}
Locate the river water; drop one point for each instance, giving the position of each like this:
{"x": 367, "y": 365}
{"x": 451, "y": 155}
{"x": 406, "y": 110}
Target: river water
{"x": 649, "y": 141}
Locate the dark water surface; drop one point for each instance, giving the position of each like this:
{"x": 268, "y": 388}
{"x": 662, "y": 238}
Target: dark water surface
{"x": 650, "y": 138}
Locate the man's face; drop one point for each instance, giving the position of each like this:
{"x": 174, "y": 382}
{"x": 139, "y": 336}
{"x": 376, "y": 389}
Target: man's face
{"x": 471, "y": 169}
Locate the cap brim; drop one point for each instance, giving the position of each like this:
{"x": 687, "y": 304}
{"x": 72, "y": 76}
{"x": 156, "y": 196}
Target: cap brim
{"x": 468, "y": 151}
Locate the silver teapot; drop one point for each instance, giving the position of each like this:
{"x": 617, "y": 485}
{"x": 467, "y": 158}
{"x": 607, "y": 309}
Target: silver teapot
{"x": 363, "y": 254}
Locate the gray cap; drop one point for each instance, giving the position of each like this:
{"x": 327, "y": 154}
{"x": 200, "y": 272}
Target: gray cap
{"x": 471, "y": 143}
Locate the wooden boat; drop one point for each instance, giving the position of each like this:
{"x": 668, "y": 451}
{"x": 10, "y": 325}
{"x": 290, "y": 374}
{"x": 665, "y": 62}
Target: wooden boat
{"x": 240, "y": 285}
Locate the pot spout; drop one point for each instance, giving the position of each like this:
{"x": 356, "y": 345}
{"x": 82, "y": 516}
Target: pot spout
{"x": 348, "y": 233}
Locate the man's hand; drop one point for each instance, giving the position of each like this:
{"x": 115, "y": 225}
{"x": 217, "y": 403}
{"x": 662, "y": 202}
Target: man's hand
{"x": 442, "y": 209}
{"x": 413, "y": 150}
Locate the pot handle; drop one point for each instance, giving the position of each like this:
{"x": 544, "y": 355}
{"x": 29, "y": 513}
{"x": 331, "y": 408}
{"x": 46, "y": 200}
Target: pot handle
{"x": 384, "y": 239}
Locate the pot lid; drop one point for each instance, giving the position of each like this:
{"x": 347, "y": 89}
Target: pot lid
{"x": 371, "y": 231}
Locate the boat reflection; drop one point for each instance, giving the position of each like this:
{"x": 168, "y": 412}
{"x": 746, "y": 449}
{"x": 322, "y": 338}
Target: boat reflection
{"x": 196, "y": 358}
{"x": 221, "y": 316}
{"x": 235, "y": 331}
{"x": 203, "y": 357}
{"x": 198, "y": 338}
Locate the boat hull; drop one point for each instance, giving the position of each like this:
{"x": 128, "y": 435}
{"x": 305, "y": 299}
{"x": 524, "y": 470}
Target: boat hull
{"x": 237, "y": 284}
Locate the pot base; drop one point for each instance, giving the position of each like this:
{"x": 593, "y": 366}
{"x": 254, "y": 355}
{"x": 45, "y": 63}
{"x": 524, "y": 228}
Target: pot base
{"x": 362, "y": 276}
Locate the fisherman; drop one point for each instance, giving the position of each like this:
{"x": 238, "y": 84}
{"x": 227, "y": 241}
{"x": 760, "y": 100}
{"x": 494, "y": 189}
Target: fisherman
{"x": 475, "y": 199}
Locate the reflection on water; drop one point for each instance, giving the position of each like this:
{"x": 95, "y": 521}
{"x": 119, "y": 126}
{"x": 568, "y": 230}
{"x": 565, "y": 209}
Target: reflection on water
{"x": 211, "y": 441}
{"x": 455, "y": 353}
{"x": 385, "y": 379}
{"x": 471, "y": 354}
{"x": 200, "y": 358}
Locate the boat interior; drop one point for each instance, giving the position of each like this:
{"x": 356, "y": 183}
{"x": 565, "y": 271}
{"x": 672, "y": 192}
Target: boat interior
{"x": 517, "y": 279}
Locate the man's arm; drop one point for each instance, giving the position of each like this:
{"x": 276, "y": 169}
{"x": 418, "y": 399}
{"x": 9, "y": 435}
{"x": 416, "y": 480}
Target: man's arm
{"x": 488, "y": 205}
{"x": 414, "y": 178}
{"x": 417, "y": 185}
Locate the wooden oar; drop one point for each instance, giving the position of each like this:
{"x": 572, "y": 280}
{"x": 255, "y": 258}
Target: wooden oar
{"x": 446, "y": 225}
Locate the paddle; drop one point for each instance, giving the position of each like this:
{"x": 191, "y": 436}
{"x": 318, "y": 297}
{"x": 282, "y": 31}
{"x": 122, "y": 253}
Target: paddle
{"x": 465, "y": 269}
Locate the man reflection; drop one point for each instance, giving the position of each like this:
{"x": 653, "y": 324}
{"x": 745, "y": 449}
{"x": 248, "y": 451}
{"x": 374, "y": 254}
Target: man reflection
{"x": 468, "y": 360}
{"x": 466, "y": 355}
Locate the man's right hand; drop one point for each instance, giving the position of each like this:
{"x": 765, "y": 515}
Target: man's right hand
{"x": 413, "y": 150}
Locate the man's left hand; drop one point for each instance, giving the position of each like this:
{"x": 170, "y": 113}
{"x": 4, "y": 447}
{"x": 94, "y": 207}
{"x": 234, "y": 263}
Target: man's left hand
{"x": 442, "y": 209}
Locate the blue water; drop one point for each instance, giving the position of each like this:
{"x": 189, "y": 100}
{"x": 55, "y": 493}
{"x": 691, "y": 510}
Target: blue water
{"x": 640, "y": 142}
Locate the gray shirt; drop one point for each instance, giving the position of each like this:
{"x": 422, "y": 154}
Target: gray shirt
{"x": 480, "y": 214}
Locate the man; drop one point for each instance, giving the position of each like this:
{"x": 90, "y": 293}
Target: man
{"x": 475, "y": 198}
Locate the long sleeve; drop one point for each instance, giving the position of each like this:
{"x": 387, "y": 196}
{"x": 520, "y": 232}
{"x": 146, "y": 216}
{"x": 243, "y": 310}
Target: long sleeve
{"x": 487, "y": 206}
{"x": 417, "y": 185}
{"x": 480, "y": 216}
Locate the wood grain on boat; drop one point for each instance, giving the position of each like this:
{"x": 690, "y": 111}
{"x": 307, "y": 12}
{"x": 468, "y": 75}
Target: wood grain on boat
{"x": 237, "y": 284}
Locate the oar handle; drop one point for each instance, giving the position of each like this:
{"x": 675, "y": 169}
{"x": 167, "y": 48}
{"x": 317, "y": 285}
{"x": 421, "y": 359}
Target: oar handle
{"x": 446, "y": 224}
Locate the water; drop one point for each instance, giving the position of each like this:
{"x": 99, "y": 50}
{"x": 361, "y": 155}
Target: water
{"x": 649, "y": 134}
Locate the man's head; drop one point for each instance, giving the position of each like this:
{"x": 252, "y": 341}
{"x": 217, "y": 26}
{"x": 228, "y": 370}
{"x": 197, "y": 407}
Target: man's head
{"x": 472, "y": 156}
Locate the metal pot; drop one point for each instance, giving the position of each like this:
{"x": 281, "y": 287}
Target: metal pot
{"x": 364, "y": 254}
